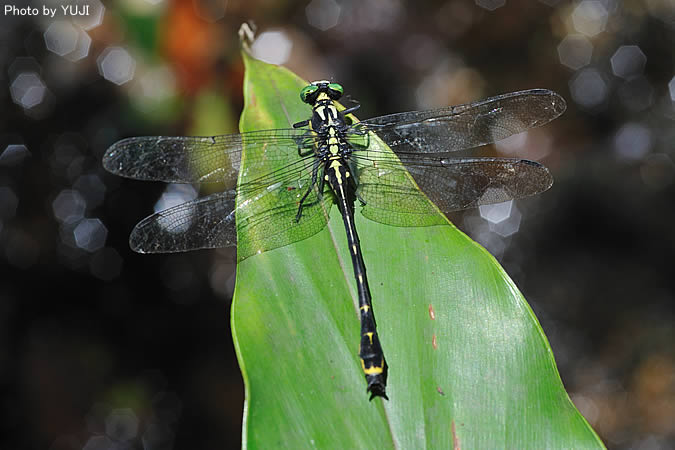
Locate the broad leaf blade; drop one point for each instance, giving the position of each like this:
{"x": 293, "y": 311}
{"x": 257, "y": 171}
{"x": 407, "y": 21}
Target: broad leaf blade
{"x": 469, "y": 365}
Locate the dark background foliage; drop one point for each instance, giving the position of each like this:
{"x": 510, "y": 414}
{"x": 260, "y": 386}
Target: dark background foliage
{"x": 104, "y": 348}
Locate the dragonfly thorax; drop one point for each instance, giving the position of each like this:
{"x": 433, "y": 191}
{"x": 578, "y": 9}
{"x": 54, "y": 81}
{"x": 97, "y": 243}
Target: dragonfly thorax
{"x": 330, "y": 128}
{"x": 324, "y": 113}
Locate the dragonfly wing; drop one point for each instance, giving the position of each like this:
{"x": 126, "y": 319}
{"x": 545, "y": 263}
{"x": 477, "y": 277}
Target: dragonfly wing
{"x": 391, "y": 197}
{"x": 206, "y": 222}
{"x": 269, "y": 219}
{"x": 465, "y": 126}
{"x": 181, "y": 159}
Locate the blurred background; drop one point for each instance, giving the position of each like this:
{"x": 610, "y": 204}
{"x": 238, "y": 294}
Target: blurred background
{"x": 102, "y": 348}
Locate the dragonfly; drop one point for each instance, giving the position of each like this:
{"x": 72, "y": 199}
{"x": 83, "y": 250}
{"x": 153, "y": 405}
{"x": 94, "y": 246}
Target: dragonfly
{"x": 399, "y": 169}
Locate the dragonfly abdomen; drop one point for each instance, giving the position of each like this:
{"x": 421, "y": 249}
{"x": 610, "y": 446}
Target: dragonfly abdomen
{"x": 371, "y": 355}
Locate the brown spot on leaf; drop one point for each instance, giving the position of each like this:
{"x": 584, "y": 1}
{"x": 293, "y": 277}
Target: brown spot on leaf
{"x": 455, "y": 439}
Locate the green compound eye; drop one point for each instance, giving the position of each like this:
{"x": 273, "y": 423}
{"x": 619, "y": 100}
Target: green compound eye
{"x": 337, "y": 88}
{"x": 307, "y": 91}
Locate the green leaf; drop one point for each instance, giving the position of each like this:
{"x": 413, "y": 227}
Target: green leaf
{"x": 469, "y": 365}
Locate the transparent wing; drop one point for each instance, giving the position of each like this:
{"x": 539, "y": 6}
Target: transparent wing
{"x": 451, "y": 184}
{"x": 461, "y": 127}
{"x": 206, "y": 222}
{"x": 266, "y": 206}
{"x": 268, "y": 219}
{"x": 181, "y": 159}
{"x": 265, "y": 214}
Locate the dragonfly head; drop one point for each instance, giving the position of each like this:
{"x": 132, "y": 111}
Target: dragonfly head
{"x": 321, "y": 90}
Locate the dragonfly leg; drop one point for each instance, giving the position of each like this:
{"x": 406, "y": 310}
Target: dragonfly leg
{"x": 307, "y": 153}
{"x": 347, "y": 111}
{"x": 300, "y": 142}
{"x": 304, "y": 123}
{"x": 360, "y": 199}
{"x": 315, "y": 172}
{"x": 351, "y": 110}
